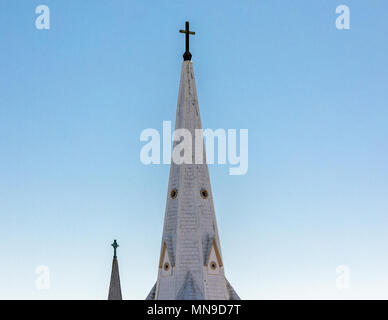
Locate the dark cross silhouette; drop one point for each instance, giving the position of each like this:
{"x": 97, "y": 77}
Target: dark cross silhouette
{"x": 115, "y": 246}
{"x": 187, "y": 55}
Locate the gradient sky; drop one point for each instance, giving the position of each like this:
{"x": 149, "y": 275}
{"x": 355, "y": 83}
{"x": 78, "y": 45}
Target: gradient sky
{"x": 74, "y": 99}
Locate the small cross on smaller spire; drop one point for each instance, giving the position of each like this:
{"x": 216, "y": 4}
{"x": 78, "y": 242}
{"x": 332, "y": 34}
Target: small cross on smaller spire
{"x": 115, "y": 245}
{"x": 187, "y": 55}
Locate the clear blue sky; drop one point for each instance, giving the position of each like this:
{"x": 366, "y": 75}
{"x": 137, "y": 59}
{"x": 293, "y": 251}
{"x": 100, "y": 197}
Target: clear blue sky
{"x": 74, "y": 99}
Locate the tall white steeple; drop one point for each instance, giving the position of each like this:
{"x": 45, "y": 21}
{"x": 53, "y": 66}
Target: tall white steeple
{"x": 190, "y": 264}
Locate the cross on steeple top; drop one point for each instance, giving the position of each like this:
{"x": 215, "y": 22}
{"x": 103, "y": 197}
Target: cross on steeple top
{"x": 187, "y": 55}
{"x": 115, "y": 245}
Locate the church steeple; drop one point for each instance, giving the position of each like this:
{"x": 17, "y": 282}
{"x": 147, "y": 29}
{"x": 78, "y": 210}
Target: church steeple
{"x": 190, "y": 264}
{"x": 115, "y": 287}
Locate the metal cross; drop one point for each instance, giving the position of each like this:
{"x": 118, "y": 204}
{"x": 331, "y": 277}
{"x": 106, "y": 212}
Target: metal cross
{"x": 187, "y": 55}
{"x": 115, "y": 246}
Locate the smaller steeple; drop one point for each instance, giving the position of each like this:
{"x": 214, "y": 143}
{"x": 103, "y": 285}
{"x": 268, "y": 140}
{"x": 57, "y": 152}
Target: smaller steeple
{"x": 115, "y": 287}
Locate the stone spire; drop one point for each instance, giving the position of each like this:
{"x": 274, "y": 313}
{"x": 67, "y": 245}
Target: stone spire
{"x": 115, "y": 287}
{"x": 190, "y": 264}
